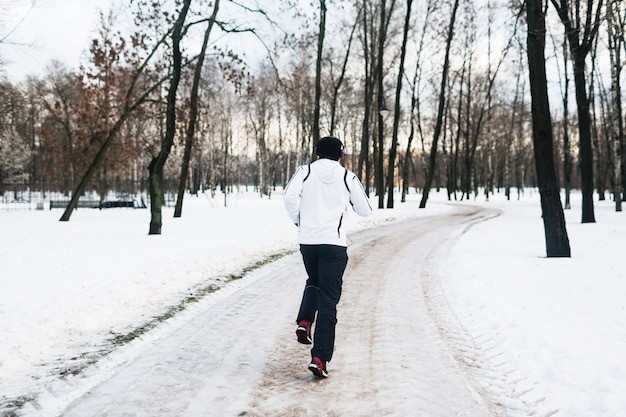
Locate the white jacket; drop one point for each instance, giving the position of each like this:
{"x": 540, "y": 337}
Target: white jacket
{"x": 317, "y": 198}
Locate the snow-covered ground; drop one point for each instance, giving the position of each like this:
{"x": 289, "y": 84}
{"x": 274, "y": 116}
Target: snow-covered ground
{"x": 67, "y": 289}
{"x": 559, "y": 323}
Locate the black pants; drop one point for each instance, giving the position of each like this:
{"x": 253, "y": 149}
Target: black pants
{"x": 325, "y": 265}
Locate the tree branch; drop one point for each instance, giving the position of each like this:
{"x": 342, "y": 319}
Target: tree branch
{"x": 17, "y": 25}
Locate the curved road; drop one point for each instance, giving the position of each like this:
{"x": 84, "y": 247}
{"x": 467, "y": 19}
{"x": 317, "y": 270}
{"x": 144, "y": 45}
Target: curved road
{"x": 238, "y": 356}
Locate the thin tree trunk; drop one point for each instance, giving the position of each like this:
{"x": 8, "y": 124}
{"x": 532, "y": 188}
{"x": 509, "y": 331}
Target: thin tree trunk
{"x": 318, "y": 73}
{"x": 617, "y": 125}
{"x": 415, "y": 105}
{"x": 585, "y": 154}
{"x": 396, "y": 113}
{"x": 156, "y": 166}
{"x": 91, "y": 170}
{"x": 511, "y": 135}
{"x": 557, "y": 241}
{"x": 380, "y": 186}
{"x": 455, "y": 163}
{"x": 407, "y": 155}
{"x": 440, "y": 109}
{"x": 193, "y": 114}
{"x": 567, "y": 156}
{"x": 364, "y": 156}
{"x": 581, "y": 37}
{"x": 598, "y": 128}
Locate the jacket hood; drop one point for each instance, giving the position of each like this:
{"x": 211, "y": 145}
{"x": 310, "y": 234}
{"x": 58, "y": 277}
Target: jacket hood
{"x": 327, "y": 170}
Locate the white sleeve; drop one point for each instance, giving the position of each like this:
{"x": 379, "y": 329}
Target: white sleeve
{"x": 358, "y": 198}
{"x": 292, "y": 193}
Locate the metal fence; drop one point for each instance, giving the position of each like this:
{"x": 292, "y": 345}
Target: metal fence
{"x": 26, "y": 200}
{"x": 21, "y": 196}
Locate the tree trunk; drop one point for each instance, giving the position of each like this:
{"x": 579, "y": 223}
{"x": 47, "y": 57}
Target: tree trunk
{"x": 407, "y": 155}
{"x": 193, "y": 114}
{"x": 617, "y": 125}
{"x": 467, "y": 147}
{"x": 515, "y": 114}
{"x": 585, "y": 153}
{"x": 364, "y": 156}
{"x": 396, "y": 112}
{"x": 91, "y": 170}
{"x": 567, "y": 156}
{"x": 440, "y": 109}
{"x": 415, "y": 104}
{"x": 156, "y": 166}
{"x": 318, "y": 73}
{"x": 380, "y": 181}
{"x": 580, "y": 37}
{"x": 457, "y": 139}
{"x": 557, "y": 242}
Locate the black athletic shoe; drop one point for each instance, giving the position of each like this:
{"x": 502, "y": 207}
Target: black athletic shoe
{"x": 318, "y": 367}
{"x": 304, "y": 332}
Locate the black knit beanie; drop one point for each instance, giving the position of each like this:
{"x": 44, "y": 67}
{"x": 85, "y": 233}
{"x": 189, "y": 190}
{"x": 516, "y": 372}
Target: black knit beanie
{"x": 329, "y": 147}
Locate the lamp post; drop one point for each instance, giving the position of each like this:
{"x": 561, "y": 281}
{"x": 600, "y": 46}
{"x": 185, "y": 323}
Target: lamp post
{"x": 380, "y": 181}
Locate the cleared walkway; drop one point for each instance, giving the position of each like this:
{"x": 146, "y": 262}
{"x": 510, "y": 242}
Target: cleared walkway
{"x": 239, "y": 357}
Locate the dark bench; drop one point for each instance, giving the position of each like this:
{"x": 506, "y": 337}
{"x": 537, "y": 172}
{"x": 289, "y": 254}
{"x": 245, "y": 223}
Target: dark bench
{"x": 81, "y": 204}
{"x": 118, "y": 203}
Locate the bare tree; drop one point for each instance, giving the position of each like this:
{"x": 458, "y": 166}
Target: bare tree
{"x": 193, "y": 113}
{"x": 15, "y": 152}
{"x": 441, "y": 107}
{"x": 155, "y": 168}
{"x": 564, "y": 83}
{"x": 414, "y": 113}
{"x": 396, "y": 113}
{"x": 260, "y": 115}
{"x": 380, "y": 157}
{"x": 617, "y": 124}
{"x": 59, "y": 99}
{"x": 318, "y": 72}
{"x": 139, "y": 86}
{"x": 580, "y": 35}
{"x": 369, "y": 61}
{"x": 557, "y": 242}
{"x": 517, "y": 116}
{"x": 382, "y": 34}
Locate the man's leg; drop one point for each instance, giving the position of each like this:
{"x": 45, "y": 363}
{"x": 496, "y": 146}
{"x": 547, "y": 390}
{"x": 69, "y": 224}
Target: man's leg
{"x": 308, "y": 306}
{"x": 331, "y": 266}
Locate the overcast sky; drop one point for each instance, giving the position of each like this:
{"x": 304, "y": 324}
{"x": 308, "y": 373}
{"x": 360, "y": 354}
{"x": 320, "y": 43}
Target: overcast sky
{"x": 53, "y": 29}
{"x": 62, "y": 30}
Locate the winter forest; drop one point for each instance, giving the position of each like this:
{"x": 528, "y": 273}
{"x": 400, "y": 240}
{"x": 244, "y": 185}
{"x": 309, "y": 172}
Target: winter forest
{"x": 474, "y": 97}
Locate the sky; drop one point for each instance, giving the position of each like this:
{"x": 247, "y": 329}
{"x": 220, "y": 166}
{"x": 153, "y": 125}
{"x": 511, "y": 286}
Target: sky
{"x": 51, "y": 29}
{"x": 61, "y": 30}
{"x": 541, "y": 336}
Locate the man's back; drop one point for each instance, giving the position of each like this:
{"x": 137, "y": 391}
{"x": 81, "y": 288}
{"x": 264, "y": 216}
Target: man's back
{"x": 317, "y": 198}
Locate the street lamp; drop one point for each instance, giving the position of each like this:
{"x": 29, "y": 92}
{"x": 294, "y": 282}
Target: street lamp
{"x": 384, "y": 111}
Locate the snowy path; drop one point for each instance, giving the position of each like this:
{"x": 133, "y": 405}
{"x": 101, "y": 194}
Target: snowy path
{"x": 237, "y": 356}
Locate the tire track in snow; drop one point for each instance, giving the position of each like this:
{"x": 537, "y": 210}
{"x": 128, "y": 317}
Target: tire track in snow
{"x": 506, "y": 391}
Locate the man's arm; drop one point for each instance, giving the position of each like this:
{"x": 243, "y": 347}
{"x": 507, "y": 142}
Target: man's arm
{"x": 358, "y": 198}
{"x": 291, "y": 195}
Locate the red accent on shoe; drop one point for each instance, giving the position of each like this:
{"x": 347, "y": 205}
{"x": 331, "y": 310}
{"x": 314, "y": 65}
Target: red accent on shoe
{"x": 318, "y": 367}
{"x": 304, "y": 332}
